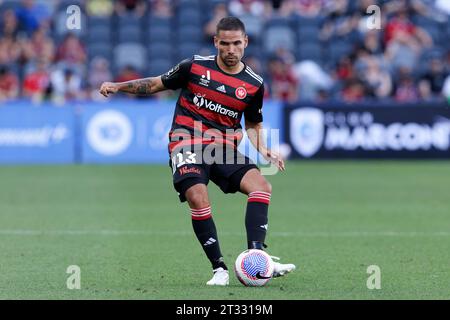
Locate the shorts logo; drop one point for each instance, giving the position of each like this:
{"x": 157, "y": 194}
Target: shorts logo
{"x": 241, "y": 93}
{"x": 185, "y": 170}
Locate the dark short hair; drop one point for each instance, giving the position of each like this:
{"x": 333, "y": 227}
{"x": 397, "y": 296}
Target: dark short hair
{"x": 230, "y": 24}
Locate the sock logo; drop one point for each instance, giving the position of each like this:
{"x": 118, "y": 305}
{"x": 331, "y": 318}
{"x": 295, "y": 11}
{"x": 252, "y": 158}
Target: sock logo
{"x": 210, "y": 242}
{"x": 265, "y": 226}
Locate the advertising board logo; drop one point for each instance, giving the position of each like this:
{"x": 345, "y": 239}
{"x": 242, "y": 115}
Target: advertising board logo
{"x": 307, "y": 130}
{"x": 109, "y": 132}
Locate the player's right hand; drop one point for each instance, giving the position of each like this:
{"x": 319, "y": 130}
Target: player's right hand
{"x": 108, "y": 87}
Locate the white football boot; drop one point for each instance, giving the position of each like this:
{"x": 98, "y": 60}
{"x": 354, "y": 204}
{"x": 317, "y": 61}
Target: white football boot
{"x": 281, "y": 269}
{"x": 220, "y": 278}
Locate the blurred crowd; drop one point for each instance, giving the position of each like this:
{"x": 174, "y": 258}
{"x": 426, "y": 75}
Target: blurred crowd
{"x": 317, "y": 50}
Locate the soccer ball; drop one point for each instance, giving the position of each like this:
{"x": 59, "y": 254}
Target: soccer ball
{"x": 254, "y": 268}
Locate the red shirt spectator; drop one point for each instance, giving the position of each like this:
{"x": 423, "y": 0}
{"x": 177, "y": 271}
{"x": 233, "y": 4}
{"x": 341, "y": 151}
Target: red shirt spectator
{"x": 127, "y": 74}
{"x": 400, "y": 23}
{"x": 36, "y": 82}
{"x": 9, "y": 84}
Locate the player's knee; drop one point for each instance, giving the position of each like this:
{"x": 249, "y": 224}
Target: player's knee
{"x": 197, "y": 200}
{"x": 264, "y": 186}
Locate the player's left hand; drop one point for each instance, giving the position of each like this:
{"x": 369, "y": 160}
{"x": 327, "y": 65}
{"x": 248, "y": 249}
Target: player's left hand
{"x": 275, "y": 158}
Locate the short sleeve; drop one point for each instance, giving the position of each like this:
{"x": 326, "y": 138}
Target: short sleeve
{"x": 178, "y": 76}
{"x": 253, "y": 113}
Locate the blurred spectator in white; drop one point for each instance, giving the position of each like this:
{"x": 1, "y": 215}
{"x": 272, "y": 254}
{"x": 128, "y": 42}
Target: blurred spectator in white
{"x": 71, "y": 52}
{"x": 9, "y": 84}
{"x": 220, "y": 11}
{"x": 135, "y": 7}
{"x": 314, "y": 79}
{"x": 437, "y": 10}
{"x": 98, "y": 73}
{"x": 406, "y": 90}
{"x": 40, "y": 46}
{"x": 446, "y": 89}
{"x": 37, "y": 82}
{"x": 282, "y": 81}
{"x": 432, "y": 82}
{"x": 9, "y": 24}
{"x": 161, "y": 8}
{"x": 100, "y": 8}
{"x": 66, "y": 85}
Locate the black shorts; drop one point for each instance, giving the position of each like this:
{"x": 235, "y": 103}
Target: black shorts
{"x": 198, "y": 164}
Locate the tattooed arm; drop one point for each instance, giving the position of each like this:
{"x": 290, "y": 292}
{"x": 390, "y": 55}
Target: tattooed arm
{"x": 144, "y": 87}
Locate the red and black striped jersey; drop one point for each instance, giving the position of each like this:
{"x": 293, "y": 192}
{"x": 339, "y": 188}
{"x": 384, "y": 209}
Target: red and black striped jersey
{"x": 213, "y": 97}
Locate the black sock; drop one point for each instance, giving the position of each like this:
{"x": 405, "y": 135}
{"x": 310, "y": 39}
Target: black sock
{"x": 256, "y": 219}
{"x": 206, "y": 233}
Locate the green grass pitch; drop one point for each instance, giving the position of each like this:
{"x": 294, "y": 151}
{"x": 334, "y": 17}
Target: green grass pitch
{"x": 124, "y": 227}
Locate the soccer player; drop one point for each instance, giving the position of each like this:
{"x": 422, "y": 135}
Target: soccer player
{"x": 215, "y": 92}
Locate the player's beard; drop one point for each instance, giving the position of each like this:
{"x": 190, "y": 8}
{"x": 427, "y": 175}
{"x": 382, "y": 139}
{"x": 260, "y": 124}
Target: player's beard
{"x": 230, "y": 61}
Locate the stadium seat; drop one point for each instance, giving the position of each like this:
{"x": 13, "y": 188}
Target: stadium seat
{"x": 189, "y": 4}
{"x": 129, "y": 33}
{"x": 279, "y": 36}
{"x": 161, "y": 33}
{"x": 156, "y": 50}
{"x": 310, "y": 51}
{"x": 308, "y": 33}
{"x": 310, "y": 21}
{"x": 99, "y": 33}
{"x": 94, "y": 22}
{"x": 102, "y": 49}
{"x": 189, "y": 34}
{"x": 253, "y": 26}
{"x": 187, "y": 50}
{"x": 128, "y": 20}
{"x": 9, "y": 4}
{"x": 189, "y": 18}
{"x": 155, "y": 21}
{"x": 159, "y": 66}
{"x": 133, "y": 54}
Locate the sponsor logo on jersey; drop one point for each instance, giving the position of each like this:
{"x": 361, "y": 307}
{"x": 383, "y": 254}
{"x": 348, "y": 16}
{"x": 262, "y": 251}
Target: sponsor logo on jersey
{"x": 200, "y": 101}
{"x": 204, "y": 80}
{"x": 186, "y": 170}
{"x": 240, "y": 93}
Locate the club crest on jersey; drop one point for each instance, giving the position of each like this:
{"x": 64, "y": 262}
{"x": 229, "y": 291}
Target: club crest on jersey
{"x": 240, "y": 93}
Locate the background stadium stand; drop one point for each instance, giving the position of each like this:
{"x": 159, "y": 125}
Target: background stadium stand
{"x": 148, "y": 37}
